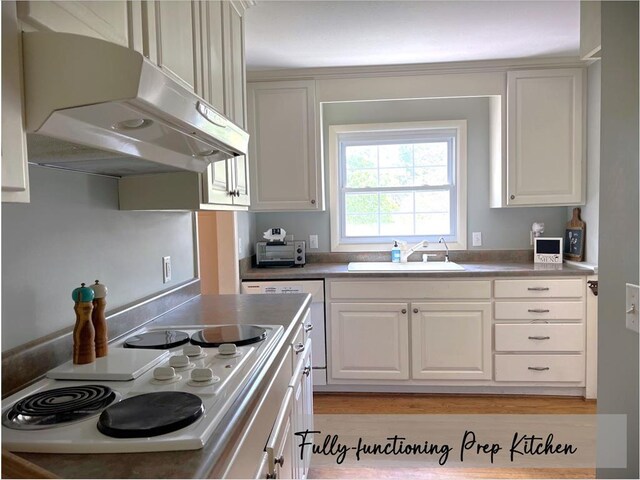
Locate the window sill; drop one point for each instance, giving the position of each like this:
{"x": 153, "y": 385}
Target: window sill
{"x": 380, "y": 247}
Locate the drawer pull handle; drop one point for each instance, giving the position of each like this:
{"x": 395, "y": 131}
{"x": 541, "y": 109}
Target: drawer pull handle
{"x": 539, "y": 338}
{"x": 538, "y": 289}
{"x": 538, "y": 310}
{"x": 298, "y": 348}
{"x": 539, "y": 369}
{"x": 279, "y": 460}
{"x": 539, "y": 320}
{"x": 307, "y": 371}
{"x": 308, "y": 327}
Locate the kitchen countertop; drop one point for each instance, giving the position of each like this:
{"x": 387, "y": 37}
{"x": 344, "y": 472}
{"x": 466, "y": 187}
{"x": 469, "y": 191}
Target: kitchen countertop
{"x": 481, "y": 269}
{"x": 202, "y": 310}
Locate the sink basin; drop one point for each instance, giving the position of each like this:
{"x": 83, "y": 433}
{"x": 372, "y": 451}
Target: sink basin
{"x": 404, "y": 267}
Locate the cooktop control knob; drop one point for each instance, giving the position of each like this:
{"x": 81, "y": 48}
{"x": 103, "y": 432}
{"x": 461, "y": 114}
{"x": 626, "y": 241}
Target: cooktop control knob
{"x": 164, "y": 373}
{"x": 180, "y": 362}
{"x": 228, "y": 349}
{"x": 194, "y": 351}
{"x": 203, "y": 376}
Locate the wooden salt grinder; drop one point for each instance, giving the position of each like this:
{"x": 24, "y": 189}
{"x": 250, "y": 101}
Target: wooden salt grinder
{"x": 99, "y": 320}
{"x": 84, "y": 350}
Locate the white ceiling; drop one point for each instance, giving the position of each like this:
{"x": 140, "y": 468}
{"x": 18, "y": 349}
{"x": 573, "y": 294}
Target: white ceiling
{"x": 311, "y": 33}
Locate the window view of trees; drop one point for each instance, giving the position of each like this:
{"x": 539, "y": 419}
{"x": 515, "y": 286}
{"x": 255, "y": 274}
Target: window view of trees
{"x": 397, "y": 189}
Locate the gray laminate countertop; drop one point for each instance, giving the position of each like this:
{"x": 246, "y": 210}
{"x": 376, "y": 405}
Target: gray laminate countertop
{"x": 204, "y": 463}
{"x": 322, "y": 270}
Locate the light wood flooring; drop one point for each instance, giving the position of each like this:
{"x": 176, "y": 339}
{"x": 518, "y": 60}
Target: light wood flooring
{"x": 373, "y": 403}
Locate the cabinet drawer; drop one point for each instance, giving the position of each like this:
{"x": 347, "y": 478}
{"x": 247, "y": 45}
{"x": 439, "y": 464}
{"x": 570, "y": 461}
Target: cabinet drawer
{"x": 559, "y": 337}
{"x": 539, "y": 288}
{"x": 539, "y": 310}
{"x": 539, "y": 368}
{"x": 416, "y": 290}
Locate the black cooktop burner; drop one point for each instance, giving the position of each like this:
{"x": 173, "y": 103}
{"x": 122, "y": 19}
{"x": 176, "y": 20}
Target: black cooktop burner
{"x": 237, "y": 334}
{"x": 59, "y": 406}
{"x": 150, "y": 414}
{"x": 161, "y": 339}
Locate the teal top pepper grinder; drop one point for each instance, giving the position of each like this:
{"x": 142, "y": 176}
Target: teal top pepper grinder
{"x": 98, "y": 318}
{"x": 84, "y": 350}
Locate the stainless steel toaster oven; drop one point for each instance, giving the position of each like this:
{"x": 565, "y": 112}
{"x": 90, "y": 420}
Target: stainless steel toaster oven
{"x": 281, "y": 254}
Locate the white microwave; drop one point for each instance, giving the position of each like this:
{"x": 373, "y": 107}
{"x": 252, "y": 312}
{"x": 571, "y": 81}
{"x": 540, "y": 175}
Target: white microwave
{"x": 547, "y": 249}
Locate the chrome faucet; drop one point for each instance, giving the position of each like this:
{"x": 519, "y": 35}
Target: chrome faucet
{"x": 446, "y": 256}
{"x": 404, "y": 253}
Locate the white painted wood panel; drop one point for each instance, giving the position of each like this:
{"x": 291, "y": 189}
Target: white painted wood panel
{"x": 546, "y": 310}
{"x": 451, "y": 341}
{"x": 545, "y": 151}
{"x": 539, "y": 288}
{"x": 286, "y": 169}
{"x": 411, "y": 289}
{"x": 369, "y": 341}
{"x": 539, "y": 337}
{"x": 539, "y": 368}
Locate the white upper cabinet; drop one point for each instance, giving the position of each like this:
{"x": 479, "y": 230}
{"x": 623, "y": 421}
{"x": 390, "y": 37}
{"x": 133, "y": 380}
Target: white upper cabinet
{"x": 107, "y": 20}
{"x": 286, "y": 167}
{"x": 545, "y": 163}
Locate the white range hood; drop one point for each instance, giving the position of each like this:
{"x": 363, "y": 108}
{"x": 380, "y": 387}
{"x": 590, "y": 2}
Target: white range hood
{"x": 99, "y": 107}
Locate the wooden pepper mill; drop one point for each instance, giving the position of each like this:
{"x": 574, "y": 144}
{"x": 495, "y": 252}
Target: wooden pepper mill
{"x": 84, "y": 350}
{"x": 99, "y": 320}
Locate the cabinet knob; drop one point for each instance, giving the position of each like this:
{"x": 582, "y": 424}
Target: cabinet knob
{"x": 404, "y": 310}
{"x": 271, "y": 475}
{"x": 308, "y": 327}
{"x": 313, "y": 202}
{"x": 512, "y": 197}
{"x": 307, "y": 371}
{"x": 415, "y": 310}
{"x": 279, "y": 460}
{"x": 298, "y": 348}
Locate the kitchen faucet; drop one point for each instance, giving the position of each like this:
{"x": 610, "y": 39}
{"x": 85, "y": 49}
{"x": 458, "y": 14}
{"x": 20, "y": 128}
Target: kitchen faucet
{"x": 404, "y": 253}
{"x": 446, "y": 256}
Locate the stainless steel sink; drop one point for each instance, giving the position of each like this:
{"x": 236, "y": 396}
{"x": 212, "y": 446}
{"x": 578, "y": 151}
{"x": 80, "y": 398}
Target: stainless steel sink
{"x": 404, "y": 267}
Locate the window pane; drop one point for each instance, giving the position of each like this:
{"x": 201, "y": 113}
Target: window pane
{"x": 432, "y": 224}
{"x": 396, "y": 177}
{"x": 430, "y": 176}
{"x": 396, "y": 224}
{"x": 361, "y": 156}
{"x": 361, "y": 203}
{"x": 396, "y": 202}
{"x": 365, "y": 178}
{"x": 432, "y": 202}
{"x": 432, "y": 153}
{"x": 395, "y": 155}
{"x": 361, "y": 225}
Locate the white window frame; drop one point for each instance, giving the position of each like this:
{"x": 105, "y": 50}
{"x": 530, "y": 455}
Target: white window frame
{"x": 460, "y": 169}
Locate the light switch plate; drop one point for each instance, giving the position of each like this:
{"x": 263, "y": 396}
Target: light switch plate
{"x": 313, "y": 241}
{"x": 632, "y": 307}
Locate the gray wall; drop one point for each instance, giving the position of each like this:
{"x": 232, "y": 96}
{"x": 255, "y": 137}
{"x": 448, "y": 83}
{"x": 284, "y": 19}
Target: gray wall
{"x": 246, "y": 223}
{"x": 591, "y": 210}
{"x": 501, "y": 228}
{"x": 618, "y": 262}
{"x": 73, "y": 232}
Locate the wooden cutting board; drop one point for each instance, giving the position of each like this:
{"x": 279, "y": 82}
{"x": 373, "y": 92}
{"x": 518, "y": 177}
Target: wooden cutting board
{"x": 574, "y": 237}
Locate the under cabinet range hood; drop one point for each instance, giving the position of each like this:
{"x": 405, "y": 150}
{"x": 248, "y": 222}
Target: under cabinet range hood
{"x": 98, "y": 107}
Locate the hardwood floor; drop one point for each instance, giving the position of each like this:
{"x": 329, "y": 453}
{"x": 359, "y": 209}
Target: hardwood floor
{"x": 374, "y": 403}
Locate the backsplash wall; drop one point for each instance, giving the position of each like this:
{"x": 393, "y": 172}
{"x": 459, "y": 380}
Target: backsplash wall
{"x": 501, "y": 228}
{"x": 72, "y": 232}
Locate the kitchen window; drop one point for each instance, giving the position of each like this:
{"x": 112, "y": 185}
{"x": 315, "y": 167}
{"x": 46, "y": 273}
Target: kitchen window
{"x": 399, "y": 181}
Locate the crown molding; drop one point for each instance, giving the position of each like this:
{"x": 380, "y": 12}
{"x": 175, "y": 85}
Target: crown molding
{"x": 477, "y": 66}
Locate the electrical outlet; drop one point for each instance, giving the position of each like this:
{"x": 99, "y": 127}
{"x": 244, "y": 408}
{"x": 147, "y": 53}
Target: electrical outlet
{"x": 477, "y": 239}
{"x": 632, "y": 307}
{"x": 313, "y": 241}
{"x": 166, "y": 269}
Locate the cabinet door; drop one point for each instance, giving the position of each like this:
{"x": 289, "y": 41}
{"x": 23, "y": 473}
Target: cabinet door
{"x": 217, "y": 183}
{"x": 545, "y": 118}
{"x": 212, "y": 53}
{"x": 103, "y": 19}
{"x": 451, "y": 341}
{"x": 302, "y": 410}
{"x": 286, "y": 171}
{"x": 171, "y": 38}
{"x": 15, "y": 173}
{"x": 234, "y": 64}
{"x": 369, "y": 341}
{"x": 241, "y": 165}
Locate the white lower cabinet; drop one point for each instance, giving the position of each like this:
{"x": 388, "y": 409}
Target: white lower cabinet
{"x": 370, "y": 341}
{"x": 302, "y": 387}
{"x": 451, "y": 341}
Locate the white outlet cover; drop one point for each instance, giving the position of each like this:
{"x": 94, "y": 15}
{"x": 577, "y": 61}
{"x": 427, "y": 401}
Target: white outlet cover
{"x": 477, "y": 239}
{"x": 632, "y": 307}
{"x": 313, "y": 241}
